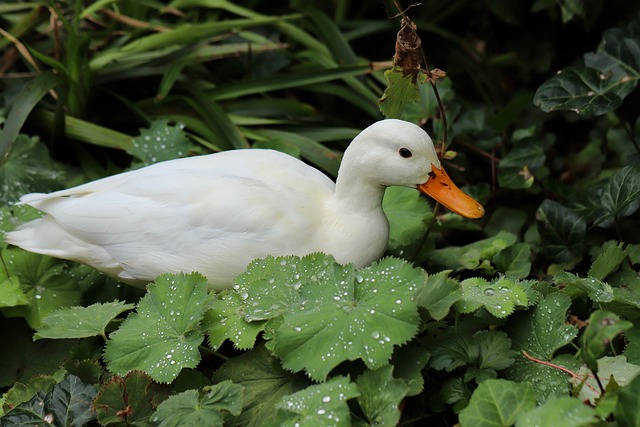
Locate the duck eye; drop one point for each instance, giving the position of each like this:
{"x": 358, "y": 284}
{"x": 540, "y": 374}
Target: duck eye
{"x": 405, "y": 152}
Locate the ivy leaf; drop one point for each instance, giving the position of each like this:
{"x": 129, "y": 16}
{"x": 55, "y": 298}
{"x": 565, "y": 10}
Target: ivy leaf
{"x": 129, "y": 400}
{"x": 562, "y": 232}
{"x": 611, "y": 370}
{"x": 627, "y": 410}
{"x": 68, "y": 403}
{"x": 362, "y": 315}
{"x": 406, "y": 212}
{"x": 402, "y": 89}
{"x": 541, "y": 331}
{"x": 619, "y": 196}
{"x": 559, "y": 411}
{"x": 380, "y": 396}
{"x": 409, "y": 362}
{"x": 198, "y": 408}
{"x": 477, "y": 255}
{"x": 160, "y": 142}
{"x": 318, "y": 405}
{"x": 42, "y": 280}
{"x": 497, "y": 403}
{"x": 602, "y": 329}
{"x": 164, "y": 335}
{"x": 226, "y": 320}
{"x": 265, "y": 383}
{"x": 500, "y": 298}
{"x": 438, "y": 294}
{"x": 81, "y": 322}
{"x": 514, "y": 261}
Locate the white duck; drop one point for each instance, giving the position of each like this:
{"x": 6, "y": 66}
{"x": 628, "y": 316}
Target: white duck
{"x": 215, "y": 213}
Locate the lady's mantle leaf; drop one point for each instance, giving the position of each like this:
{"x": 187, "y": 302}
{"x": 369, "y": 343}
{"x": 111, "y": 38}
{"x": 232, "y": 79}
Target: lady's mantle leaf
{"x": 318, "y": 405}
{"x": 265, "y": 384}
{"x": 628, "y": 408}
{"x": 130, "y": 400}
{"x": 499, "y": 298}
{"x": 81, "y": 322}
{"x": 438, "y": 294}
{"x": 402, "y": 89}
{"x": 347, "y": 315}
{"x": 497, "y": 403}
{"x": 380, "y": 395}
{"x": 559, "y": 411}
{"x": 161, "y": 142}
{"x": 200, "y": 408}
{"x": 164, "y": 335}
{"x": 67, "y": 404}
{"x": 602, "y": 329}
{"x": 226, "y": 320}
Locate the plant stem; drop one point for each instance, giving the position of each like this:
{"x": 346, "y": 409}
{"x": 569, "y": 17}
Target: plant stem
{"x": 629, "y": 131}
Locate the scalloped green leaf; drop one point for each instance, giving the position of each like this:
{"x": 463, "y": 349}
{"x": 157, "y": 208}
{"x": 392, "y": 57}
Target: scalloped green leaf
{"x": 560, "y": 411}
{"x": 438, "y": 294}
{"x": 163, "y": 336}
{"x": 226, "y": 320}
{"x": 198, "y": 408}
{"x": 608, "y": 261}
{"x": 356, "y": 315}
{"x": 500, "y": 297}
{"x": 603, "y": 327}
{"x": 161, "y": 141}
{"x": 380, "y": 396}
{"x": 402, "y": 88}
{"x": 497, "y": 403}
{"x": 81, "y": 322}
{"x": 318, "y": 405}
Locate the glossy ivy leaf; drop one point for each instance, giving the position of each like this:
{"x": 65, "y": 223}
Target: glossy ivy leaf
{"x": 541, "y": 331}
{"x": 194, "y": 408}
{"x": 67, "y": 404}
{"x": 482, "y": 352}
{"x": 226, "y": 320}
{"x": 608, "y": 260}
{"x": 627, "y": 410}
{"x": 616, "y": 370}
{"x": 477, "y": 255}
{"x": 607, "y": 77}
{"x": 497, "y": 403}
{"x": 620, "y": 196}
{"x": 28, "y": 169}
{"x": 81, "y": 322}
{"x": 318, "y": 405}
{"x": 129, "y": 400}
{"x": 562, "y": 232}
{"x": 559, "y": 411}
{"x": 160, "y": 142}
{"x": 42, "y": 280}
{"x": 356, "y": 315}
{"x": 602, "y": 329}
{"x": 438, "y": 294}
{"x": 265, "y": 384}
{"x": 406, "y": 211}
{"x": 403, "y": 88}
{"x": 380, "y": 396}
{"x": 500, "y": 297}
{"x": 163, "y": 336}
{"x": 514, "y": 261}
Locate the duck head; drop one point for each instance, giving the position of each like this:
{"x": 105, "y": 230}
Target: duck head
{"x": 396, "y": 152}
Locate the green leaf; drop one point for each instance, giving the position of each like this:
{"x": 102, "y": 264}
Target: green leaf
{"x": 611, "y": 370}
{"x": 514, "y": 261}
{"x": 477, "y": 255}
{"x": 81, "y": 322}
{"x": 43, "y": 280}
{"x": 130, "y": 400}
{"x": 163, "y": 336}
{"x": 409, "y": 362}
{"x": 28, "y": 169}
{"x": 500, "y": 298}
{"x": 318, "y": 405}
{"x": 346, "y": 315}
{"x": 541, "y": 331}
{"x": 30, "y": 95}
{"x": 609, "y": 260}
{"x": 160, "y": 142}
{"x": 602, "y": 329}
{"x": 574, "y": 286}
{"x": 21, "y": 393}
{"x": 402, "y": 89}
{"x": 380, "y": 396}
{"x": 627, "y": 410}
{"x": 619, "y": 196}
{"x": 68, "y": 403}
{"x": 406, "y": 212}
{"x": 562, "y": 232}
{"x": 438, "y": 294}
{"x": 226, "y": 320}
{"x": 265, "y": 383}
{"x": 497, "y": 403}
{"x": 559, "y": 411}
{"x": 198, "y": 408}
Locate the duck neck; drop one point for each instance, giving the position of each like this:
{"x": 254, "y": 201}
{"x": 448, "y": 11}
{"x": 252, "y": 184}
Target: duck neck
{"x": 355, "y": 192}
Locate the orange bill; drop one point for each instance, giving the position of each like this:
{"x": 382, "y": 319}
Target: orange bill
{"x": 444, "y": 191}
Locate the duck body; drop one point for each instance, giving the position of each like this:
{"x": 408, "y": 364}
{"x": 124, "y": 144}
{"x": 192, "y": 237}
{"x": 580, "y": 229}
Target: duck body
{"x": 215, "y": 213}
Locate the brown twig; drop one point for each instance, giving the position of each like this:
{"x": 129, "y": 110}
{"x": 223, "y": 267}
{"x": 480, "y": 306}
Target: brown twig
{"x": 563, "y": 369}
